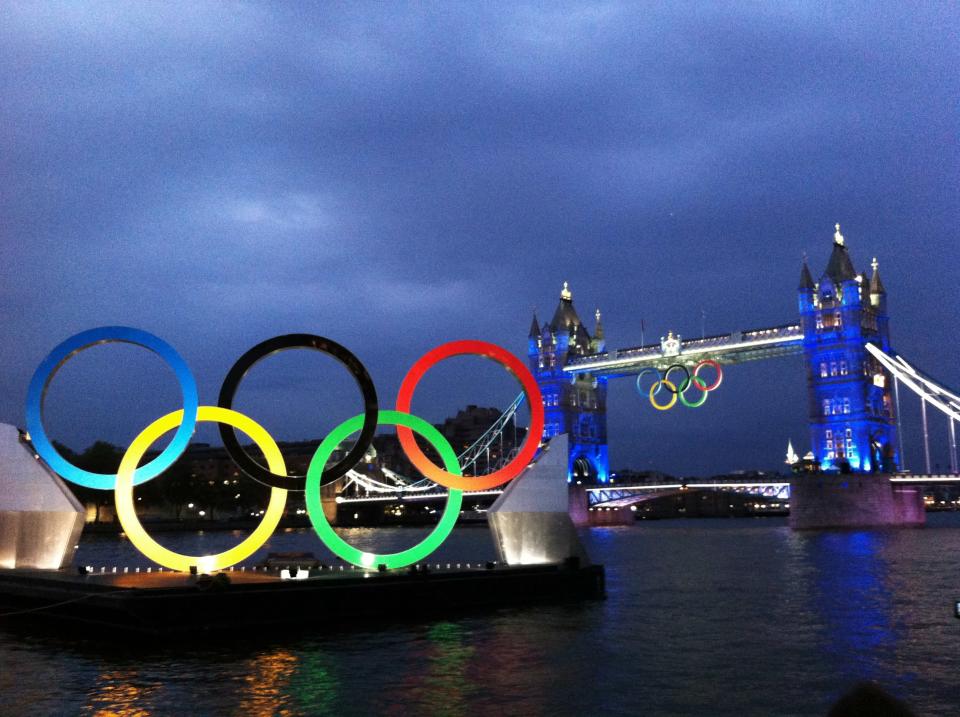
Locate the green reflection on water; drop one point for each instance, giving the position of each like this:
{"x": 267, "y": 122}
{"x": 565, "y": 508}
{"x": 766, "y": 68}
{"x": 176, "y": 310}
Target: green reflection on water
{"x": 316, "y": 685}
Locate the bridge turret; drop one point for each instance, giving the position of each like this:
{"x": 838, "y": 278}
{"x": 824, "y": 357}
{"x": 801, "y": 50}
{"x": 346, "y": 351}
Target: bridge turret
{"x": 806, "y": 290}
{"x": 578, "y": 406}
{"x": 534, "y": 338}
{"x": 598, "y": 345}
{"x": 851, "y": 412}
{"x": 878, "y": 293}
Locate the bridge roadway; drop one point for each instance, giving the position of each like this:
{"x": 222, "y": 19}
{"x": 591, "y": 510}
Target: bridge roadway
{"x": 735, "y": 347}
{"x": 603, "y": 495}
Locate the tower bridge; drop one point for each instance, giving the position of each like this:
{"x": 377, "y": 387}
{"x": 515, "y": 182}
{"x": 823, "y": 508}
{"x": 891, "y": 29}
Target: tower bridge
{"x": 853, "y": 376}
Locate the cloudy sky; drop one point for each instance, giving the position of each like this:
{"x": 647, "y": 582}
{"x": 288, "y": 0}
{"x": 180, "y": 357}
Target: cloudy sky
{"x": 394, "y": 177}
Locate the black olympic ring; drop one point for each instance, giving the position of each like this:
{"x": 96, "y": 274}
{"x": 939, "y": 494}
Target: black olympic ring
{"x": 682, "y": 386}
{"x": 299, "y": 341}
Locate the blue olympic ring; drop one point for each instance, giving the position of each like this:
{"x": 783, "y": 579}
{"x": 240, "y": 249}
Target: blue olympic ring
{"x": 74, "y": 345}
{"x": 658, "y": 382}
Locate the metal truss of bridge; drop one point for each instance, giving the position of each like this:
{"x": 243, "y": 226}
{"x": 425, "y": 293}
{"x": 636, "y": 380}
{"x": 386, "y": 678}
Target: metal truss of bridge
{"x": 491, "y": 451}
{"x": 735, "y": 347}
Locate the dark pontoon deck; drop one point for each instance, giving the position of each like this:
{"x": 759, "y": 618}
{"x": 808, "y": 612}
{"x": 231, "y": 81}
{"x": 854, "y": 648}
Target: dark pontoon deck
{"x": 169, "y": 603}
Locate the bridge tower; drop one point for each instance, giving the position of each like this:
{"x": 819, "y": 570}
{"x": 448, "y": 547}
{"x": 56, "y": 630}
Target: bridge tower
{"x": 575, "y": 406}
{"x": 852, "y": 420}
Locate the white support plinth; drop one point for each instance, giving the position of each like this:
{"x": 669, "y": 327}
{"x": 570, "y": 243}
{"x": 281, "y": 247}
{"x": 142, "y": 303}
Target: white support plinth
{"x": 530, "y": 521}
{"x": 40, "y": 519}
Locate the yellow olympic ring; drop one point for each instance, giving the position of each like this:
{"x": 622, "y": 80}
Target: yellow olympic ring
{"x": 127, "y": 513}
{"x": 673, "y": 395}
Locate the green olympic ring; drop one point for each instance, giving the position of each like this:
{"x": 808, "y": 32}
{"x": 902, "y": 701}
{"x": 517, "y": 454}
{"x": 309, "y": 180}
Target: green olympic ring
{"x": 341, "y": 547}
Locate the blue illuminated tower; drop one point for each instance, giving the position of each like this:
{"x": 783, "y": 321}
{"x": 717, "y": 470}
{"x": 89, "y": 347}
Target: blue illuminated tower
{"x": 852, "y": 420}
{"x": 574, "y": 405}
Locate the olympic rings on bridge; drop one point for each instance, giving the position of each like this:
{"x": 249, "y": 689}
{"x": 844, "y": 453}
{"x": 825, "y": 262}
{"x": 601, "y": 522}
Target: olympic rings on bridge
{"x": 679, "y": 390}
{"x": 274, "y": 475}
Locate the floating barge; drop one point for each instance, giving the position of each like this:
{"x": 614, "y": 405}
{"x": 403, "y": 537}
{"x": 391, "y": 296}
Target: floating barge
{"x": 168, "y": 604}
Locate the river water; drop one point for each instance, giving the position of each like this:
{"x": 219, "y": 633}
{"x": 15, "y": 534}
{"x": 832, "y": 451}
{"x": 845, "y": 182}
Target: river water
{"x": 706, "y": 617}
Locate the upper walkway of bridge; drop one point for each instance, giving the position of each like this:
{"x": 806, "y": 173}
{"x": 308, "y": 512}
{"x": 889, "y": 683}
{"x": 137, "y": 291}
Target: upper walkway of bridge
{"x": 729, "y": 348}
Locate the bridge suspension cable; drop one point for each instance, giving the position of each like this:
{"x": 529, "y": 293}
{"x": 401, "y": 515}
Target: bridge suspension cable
{"x": 930, "y": 391}
{"x": 468, "y": 459}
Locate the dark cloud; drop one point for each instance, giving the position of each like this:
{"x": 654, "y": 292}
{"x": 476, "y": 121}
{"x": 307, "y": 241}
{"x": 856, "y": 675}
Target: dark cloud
{"x": 397, "y": 176}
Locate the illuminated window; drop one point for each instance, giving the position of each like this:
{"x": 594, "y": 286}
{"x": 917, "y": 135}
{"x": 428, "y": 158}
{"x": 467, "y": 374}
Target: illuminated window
{"x": 843, "y": 368}
{"x": 833, "y": 368}
{"x": 819, "y": 322}
{"x": 826, "y": 407}
{"x": 823, "y": 369}
{"x": 829, "y": 433}
{"x": 846, "y": 407}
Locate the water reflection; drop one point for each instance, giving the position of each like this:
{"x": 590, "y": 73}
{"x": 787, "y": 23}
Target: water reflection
{"x": 265, "y": 684}
{"x": 118, "y": 694}
{"x": 316, "y": 685}
{"x": 854, "y": 601}
{"x": 435, "y": 673}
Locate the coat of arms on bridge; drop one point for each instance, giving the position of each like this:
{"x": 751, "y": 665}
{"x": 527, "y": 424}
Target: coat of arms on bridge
{"x": 670, "y": 346}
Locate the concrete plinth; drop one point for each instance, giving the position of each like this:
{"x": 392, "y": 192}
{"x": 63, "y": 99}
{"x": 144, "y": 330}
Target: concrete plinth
{"x": 853, "y": 501}
{"x": 40, "y": 520}
{"x": 530, "y": 521}
{"x": 578, "y": 506}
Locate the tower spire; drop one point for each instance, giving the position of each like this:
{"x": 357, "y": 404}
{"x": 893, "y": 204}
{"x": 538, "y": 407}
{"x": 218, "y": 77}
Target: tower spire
{"x": 876, "y": 286}
{"x": 837, "y": 236}
{"x": 565, "y": 293}
{"x": 806, "y": 280}
{"x": 792, "y": 456}
{"x": 840, "y": 268}
{"x": 534, "y": 326}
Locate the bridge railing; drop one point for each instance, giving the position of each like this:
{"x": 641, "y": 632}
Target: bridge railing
{"x": 719, "y": 343}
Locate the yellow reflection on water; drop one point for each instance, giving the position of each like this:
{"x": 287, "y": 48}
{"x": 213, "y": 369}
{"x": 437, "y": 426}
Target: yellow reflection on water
{"x": 116, "y": 694}
{"x": 265, "y": 684}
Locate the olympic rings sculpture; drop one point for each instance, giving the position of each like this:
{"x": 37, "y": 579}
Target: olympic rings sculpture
{"x": 274, "y": 475}
{"x": 678, "y": 391}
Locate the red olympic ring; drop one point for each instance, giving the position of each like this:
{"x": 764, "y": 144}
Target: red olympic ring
{"x": 530, "y": 388}
{"x": 716, "y": 367}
